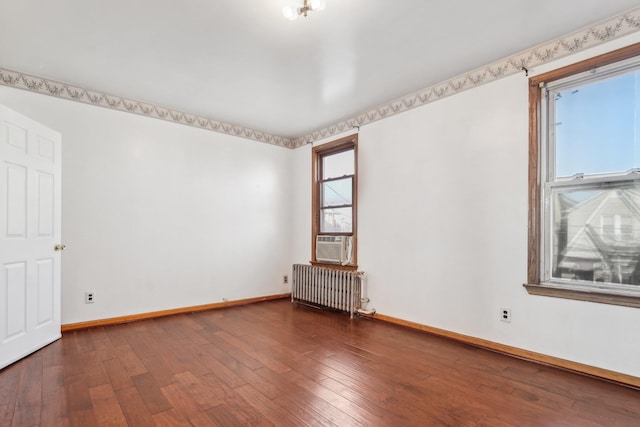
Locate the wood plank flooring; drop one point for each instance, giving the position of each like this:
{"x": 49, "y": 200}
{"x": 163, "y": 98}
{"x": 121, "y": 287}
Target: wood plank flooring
{"x": 278, "y": 364}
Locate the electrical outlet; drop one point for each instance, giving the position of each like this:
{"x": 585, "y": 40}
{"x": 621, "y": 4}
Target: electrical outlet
{"x": 505, "y": 315}
{"x": 285, "y": 279}
{"x": 89, "y": 297}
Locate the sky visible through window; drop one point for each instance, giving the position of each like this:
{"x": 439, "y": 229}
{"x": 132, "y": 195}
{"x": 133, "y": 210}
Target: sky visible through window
{"x": 595, "y": 126}
{"x": 336, "y": 198}
{"x": 598, "y": 126}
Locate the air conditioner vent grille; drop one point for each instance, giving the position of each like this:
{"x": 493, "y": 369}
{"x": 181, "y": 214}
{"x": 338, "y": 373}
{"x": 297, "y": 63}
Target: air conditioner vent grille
{"x": 333, "y": 249}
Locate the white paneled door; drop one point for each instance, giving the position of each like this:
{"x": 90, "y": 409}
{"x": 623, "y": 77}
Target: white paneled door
{"x": 30, "y": 227}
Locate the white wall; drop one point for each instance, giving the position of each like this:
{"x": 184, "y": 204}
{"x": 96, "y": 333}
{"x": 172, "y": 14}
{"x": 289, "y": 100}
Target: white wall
{"x": 301, "y": 205}
{"x": 442, "y": 227}
{"x": 158, "y": 215}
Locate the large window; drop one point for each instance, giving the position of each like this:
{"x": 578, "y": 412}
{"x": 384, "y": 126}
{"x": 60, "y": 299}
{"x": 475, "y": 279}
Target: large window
{"x": 585, "y": 181}
{"x": 335, "y": 194}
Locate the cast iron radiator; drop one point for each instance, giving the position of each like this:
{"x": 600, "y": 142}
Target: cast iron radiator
{"x": 327, "y": 287}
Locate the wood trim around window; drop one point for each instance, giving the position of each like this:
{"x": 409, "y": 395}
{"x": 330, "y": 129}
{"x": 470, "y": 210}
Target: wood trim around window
{"x": 342, "y": 144}
{"x": 533, "y": 285}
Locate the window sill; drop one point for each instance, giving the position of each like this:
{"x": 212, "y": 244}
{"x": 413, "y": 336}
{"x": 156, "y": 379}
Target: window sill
{"x": 583, "y": 293}
{"x": 334, "y": 266}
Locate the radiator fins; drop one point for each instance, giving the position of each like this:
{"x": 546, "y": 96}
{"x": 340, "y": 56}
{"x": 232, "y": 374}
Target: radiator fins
{"x": 327, "y": 287}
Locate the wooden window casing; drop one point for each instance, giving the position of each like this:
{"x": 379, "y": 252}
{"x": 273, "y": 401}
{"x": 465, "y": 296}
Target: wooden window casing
{"x": 334, "y": 147}
{"x": 534, "y": 285}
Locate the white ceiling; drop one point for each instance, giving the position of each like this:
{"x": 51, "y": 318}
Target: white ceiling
{"x": 241, "y": 62}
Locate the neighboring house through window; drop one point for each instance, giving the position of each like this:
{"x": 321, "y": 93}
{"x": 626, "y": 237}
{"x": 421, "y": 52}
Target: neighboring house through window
{"x": 584, "y": 183}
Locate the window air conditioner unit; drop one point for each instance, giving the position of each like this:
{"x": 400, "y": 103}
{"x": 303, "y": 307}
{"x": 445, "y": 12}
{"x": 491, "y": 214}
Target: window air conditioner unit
{"x": 334, "y": 249}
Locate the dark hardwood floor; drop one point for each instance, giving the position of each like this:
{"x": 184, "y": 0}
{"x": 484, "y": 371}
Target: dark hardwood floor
{"x": 275, "y": 363}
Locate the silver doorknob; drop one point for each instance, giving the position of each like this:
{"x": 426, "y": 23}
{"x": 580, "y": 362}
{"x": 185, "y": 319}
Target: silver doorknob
{"x": 59, "y": 247}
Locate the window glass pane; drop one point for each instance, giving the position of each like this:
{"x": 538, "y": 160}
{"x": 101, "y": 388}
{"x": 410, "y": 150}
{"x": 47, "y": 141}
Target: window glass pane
{"x": 596, "y": 233}
{"x": 337, "y": 193}
{"x": 596, "y": 126}
{"x": 337, "y": 165}
{"x": 336, "y": 220}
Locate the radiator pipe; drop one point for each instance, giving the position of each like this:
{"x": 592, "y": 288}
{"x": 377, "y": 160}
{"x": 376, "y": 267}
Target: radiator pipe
{"x": 367, "y": 312}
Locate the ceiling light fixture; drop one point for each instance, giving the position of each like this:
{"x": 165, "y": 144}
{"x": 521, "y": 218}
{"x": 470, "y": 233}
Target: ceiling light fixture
{"x": 302, "y": 8}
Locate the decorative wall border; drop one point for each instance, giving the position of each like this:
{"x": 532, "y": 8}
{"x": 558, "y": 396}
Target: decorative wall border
{"x": 604, "y": 31}
{"x": 73, "y": 93}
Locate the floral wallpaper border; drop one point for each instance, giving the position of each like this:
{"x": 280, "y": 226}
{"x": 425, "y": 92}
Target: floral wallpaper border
{"x": 61, "y": 90}
{"x": 621, "y": 25}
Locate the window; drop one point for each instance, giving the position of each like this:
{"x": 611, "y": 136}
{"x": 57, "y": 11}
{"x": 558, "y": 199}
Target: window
{"x": 334, "y": 192}
{"x": 584, "y": 180}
